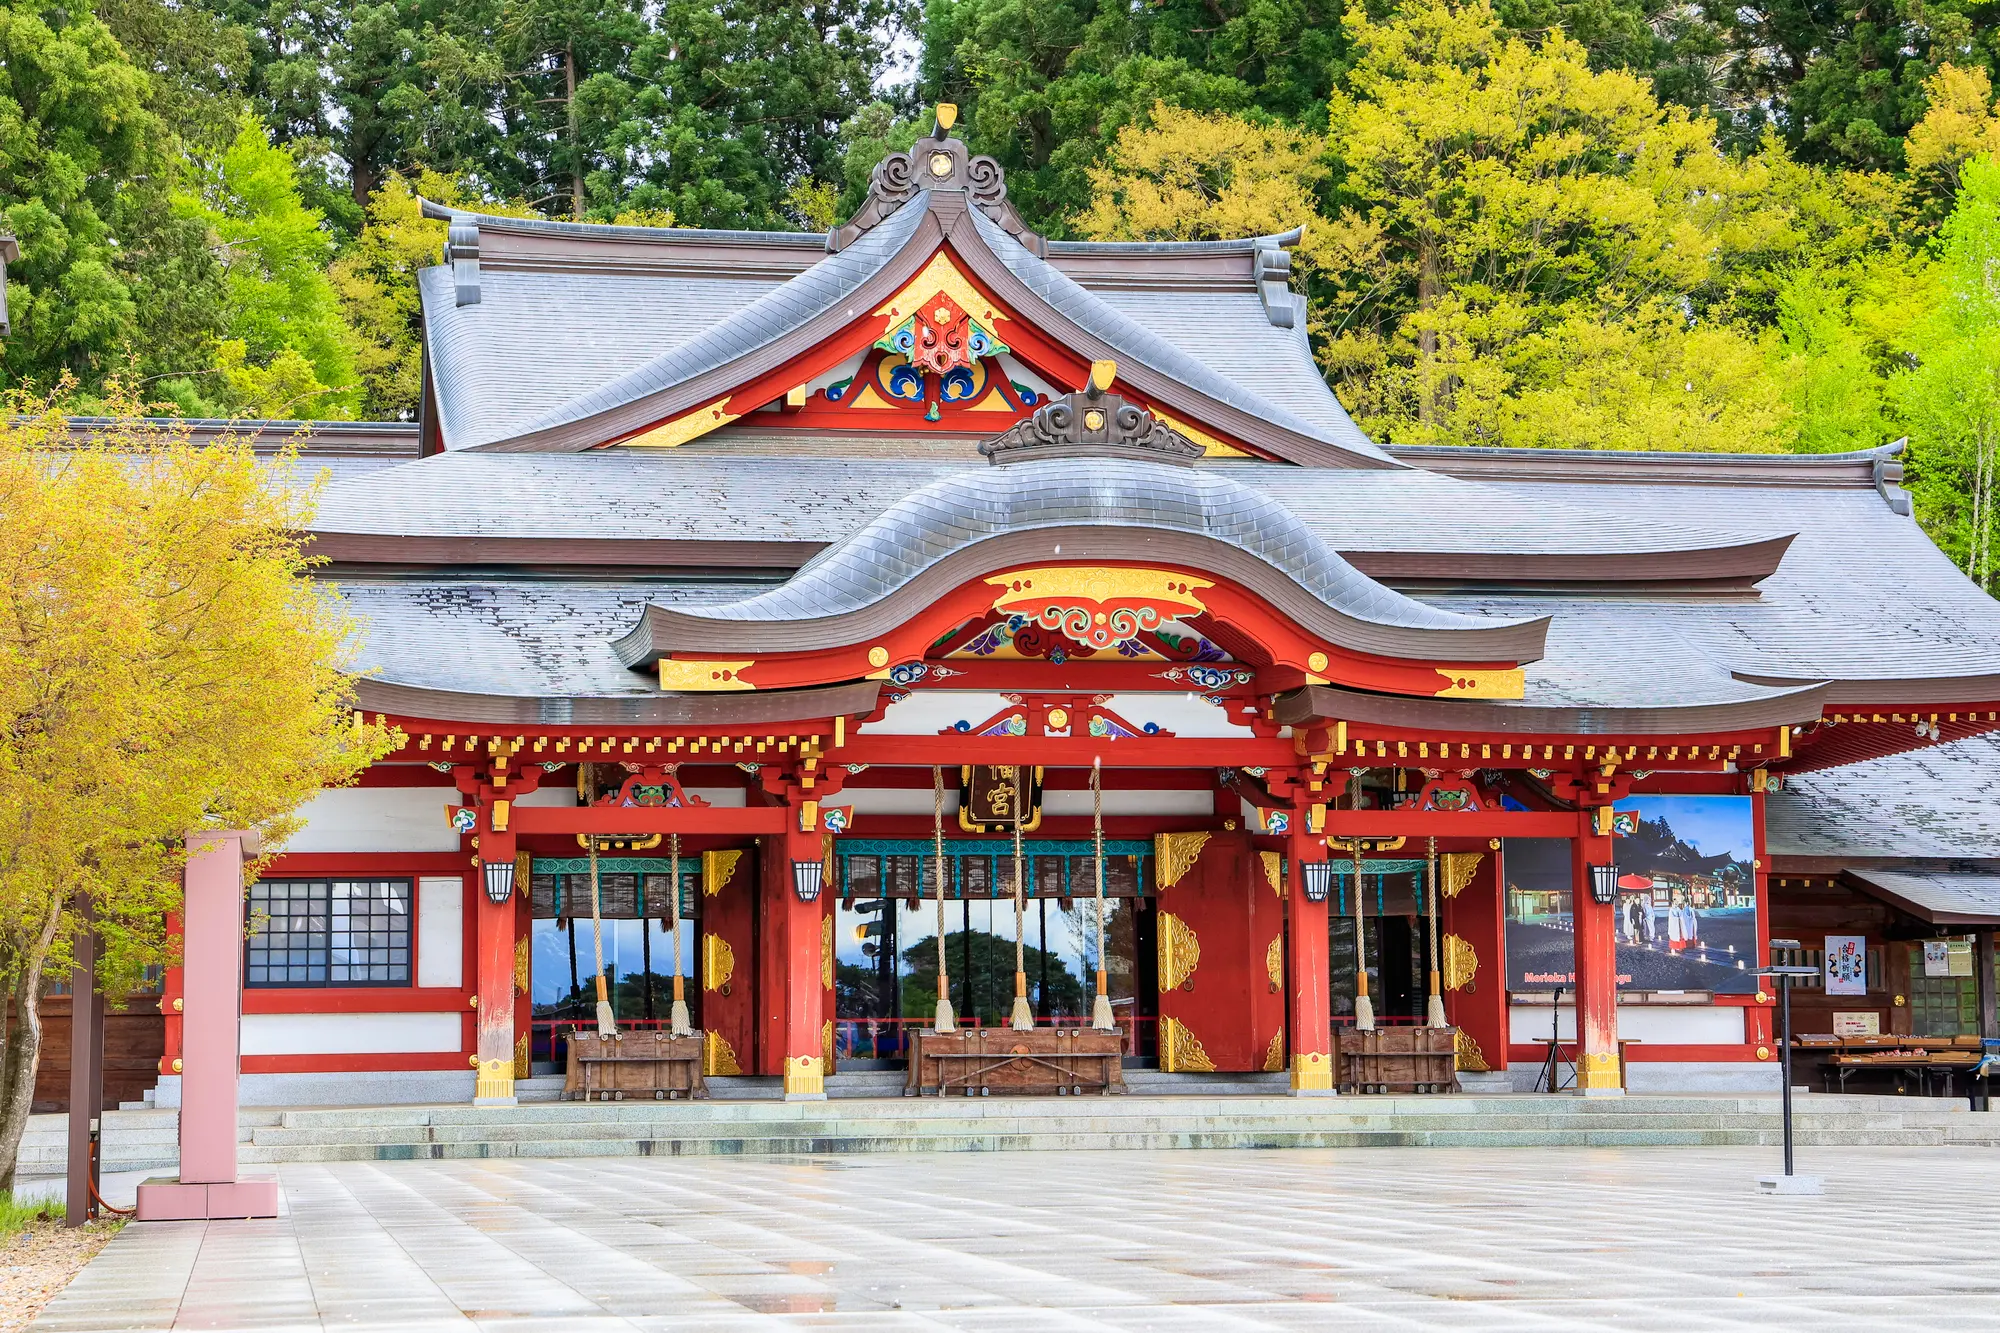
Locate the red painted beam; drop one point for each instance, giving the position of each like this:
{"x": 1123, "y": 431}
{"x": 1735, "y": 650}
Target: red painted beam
{"x": 1472, "y": 823}
{"x": 641, "y": 819}
{"x": 1067, "y": 752}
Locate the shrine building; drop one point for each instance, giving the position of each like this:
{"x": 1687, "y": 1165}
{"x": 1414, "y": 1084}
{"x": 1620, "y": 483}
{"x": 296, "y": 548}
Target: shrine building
{"x": 930, "y": 611}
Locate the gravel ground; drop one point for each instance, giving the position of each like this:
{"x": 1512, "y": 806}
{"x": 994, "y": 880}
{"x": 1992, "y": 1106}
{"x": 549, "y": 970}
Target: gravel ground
{"x": 38, "y": 1262}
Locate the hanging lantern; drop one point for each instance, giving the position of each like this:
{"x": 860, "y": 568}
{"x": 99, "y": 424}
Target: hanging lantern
{"x": 1318, "y": 880}
{"x": 499, "y": 881}
{"x": 806, "y": 879}
{"x": 1604, "y": 885}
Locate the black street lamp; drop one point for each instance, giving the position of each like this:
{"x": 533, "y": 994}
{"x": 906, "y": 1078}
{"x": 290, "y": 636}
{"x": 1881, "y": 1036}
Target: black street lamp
{"x": 806, "y": 879}
{"x": 1784, "y": 974}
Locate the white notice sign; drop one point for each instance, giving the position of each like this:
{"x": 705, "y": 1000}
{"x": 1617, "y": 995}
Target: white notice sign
{"x": 1847, "y": 965}
{"x": 1937, "y": 959}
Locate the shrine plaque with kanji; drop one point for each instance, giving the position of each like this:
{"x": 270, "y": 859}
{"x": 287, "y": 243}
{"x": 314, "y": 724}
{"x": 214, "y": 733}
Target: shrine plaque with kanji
{"x": 994, "y": 797}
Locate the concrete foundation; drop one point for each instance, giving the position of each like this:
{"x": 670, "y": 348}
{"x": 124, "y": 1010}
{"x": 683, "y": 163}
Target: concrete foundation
{"x": 1672, "y": 1076}
{"x": 402, "y": 1088}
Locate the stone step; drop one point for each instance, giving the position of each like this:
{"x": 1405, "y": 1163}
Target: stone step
{"x": 815, "y": 1145}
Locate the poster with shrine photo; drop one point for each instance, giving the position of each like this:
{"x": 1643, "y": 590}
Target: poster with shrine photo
{"x": 1687, "y": 894}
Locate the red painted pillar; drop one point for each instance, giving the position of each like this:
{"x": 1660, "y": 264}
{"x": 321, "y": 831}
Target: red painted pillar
{"x": 795, "y": 928}
{"x": 1596, "y": 969}
{"x": 493, "y": 969}
{"x": 1308, "y": 989}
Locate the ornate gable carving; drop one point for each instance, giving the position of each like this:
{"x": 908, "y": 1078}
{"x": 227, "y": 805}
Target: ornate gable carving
{"x": 939, "y": 162}
{"x": 1093, "y": 421}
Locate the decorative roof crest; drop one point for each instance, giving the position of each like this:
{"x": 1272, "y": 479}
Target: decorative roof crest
{"x": 939, "y": 162}
{"x": 1093, "y": 422}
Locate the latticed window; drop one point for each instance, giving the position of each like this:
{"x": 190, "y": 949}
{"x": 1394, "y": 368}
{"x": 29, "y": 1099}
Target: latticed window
{"x": 317, "y": 932}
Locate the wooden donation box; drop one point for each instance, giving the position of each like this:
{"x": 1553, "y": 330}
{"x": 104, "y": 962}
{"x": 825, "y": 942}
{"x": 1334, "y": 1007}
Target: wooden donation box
{"x": 1399, "y": 1060}
{"x": 634, "y": 1064}
{"x": 979, "y": 1061}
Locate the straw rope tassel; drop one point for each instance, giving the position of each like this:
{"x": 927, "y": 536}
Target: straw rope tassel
{"x": 607, "y": 1026}
{"x": 680, "y": 1024}
{"x": 1435, "y": 1017}
{"x": 1100, "y": 1011}
{"x": 1024, "y": 1017}
{"x": 944, "y": 1021}
{"x": 1364, "y": 1008}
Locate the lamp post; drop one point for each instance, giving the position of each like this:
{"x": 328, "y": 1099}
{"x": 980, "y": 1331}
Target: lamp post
{"x": 1783, "y": 973}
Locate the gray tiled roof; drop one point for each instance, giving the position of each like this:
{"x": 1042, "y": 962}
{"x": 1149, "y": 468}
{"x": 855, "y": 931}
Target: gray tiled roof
{"x": 670, "y": 494}
{"x": 1935, "y": 802}
{"x": 1130, "y": 338}
{"x": 1940, "y": 895}
{"x": 960, "y": 510}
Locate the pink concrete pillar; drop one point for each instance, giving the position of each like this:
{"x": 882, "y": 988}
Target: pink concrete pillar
{"x": 211, "y": 1019}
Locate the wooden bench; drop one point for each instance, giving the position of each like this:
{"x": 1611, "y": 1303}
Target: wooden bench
{"x": 634, "y": 1064}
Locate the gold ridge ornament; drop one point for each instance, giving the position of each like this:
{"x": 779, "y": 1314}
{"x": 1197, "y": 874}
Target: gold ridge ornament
{"x": 1096, "y": 605}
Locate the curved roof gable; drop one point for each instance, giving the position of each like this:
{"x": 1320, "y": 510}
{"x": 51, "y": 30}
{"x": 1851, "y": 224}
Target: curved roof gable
{"x": 719, "y": 373}
{"x": 1086, "y": 509}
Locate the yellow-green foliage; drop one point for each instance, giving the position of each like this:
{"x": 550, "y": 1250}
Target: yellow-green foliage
{"x": 166, "y": 666}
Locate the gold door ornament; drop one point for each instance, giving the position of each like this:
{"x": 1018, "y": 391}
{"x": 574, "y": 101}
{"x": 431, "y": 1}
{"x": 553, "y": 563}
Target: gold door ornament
{"x": 717, "y": 869}
{"x": 1274, "y": 871}
{"x": 718, "y": 963}
{"x": 1180, "y": 952}
{"x": 826, "y": 1045}
{"x": 523, "y": 1067}
{"x": 521, "y": 967}
{"x": 1457, "y": 870}
{"x": 1175, "y": 854}
{"x": 1180, "y": 1051}
{"x": 1460, "y": 963}
{"x": 1470, "y": 1058}
{"x": 1274, "y": 963}
{"x": 1274, "y": 1055}
{"x": 826, "y": 952}
{"x": 719, "y": 1057}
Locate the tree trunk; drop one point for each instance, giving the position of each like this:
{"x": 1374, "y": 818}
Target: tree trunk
{"x": 575, "y": 147}
{"x": 1427, "y": 339}
{"x": 23, "y": 1050}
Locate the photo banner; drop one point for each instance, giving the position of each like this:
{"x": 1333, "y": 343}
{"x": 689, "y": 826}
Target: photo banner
{"x": 1686, "y": 910}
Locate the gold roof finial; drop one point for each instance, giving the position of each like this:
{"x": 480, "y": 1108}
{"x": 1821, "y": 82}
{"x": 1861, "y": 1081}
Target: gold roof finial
{"x": 1101, "y": 375}
{"x": 947, "y": 116}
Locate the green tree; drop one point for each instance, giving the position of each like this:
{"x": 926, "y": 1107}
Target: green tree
{"x": 1845, "y": 82}
{"x": 165, "y": 665}
{"x": 79, "y": 153}
{"x": 1949, "y": 397}
{"x": 1046, "y": 85}
{"x": 286, "y": 350}
{"x": 1545, "y": 234}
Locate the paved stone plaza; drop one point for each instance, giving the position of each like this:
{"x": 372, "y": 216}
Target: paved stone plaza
{"x": 1376, "y": 1239}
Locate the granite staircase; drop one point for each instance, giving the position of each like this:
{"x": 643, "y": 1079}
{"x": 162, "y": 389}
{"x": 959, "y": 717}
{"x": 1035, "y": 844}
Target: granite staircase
{"x": 857, "y": 1118}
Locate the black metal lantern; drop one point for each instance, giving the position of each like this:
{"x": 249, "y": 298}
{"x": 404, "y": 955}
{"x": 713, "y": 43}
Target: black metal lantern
{"x": 499, "y": 881}
{"x": 1604, "y": 884}
{"x": 806, "y": 880}
{"x": 1318, "y": 880}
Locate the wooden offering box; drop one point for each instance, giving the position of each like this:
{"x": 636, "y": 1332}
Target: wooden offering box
{"x": 1399, "y": 1060}
{"x": 634, "y": 1064}
{"x": 979, "y": 1061}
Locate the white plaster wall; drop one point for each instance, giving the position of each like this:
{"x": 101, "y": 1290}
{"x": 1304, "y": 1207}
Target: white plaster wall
{"x": 928, "y": 712}
{"x": 378, "y": 819}
{"x": 1180, "y": 712}
{"x": 559, "y": 794}
{"x": 441, "y": 931}
{"x": 1662, "y": 1025}
{"x": 1657, "y": 1076}
{"x": 350, "y": 1034}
